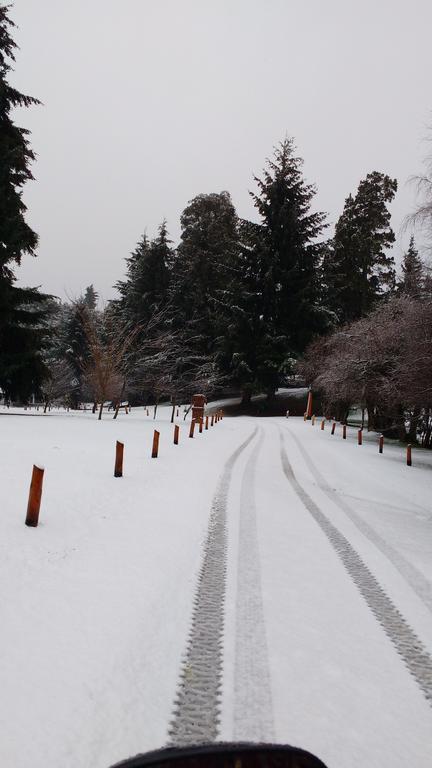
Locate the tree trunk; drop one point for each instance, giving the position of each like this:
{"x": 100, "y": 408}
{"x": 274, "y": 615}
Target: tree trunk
{"x": 173, "y": 414}
{"x": 411, "y": 436}
{"x": 100, "y": 411}
{"x": 246, "y": 397}
{"x": 371, "y": 417}
{"x": 120, "y": 399}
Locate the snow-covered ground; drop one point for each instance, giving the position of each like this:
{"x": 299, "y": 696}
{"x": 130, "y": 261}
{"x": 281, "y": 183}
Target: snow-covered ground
{"x": 327, "y": 628}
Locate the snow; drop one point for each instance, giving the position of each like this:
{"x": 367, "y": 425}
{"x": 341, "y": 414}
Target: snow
{"x": 96, "y": 602}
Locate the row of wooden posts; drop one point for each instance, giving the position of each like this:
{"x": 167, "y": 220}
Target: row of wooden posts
{"x": 359, "y": 436}
{"x": 35, "y": 493}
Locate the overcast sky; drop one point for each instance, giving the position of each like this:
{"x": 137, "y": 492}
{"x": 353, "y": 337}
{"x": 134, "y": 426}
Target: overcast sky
{"x": 147, "y": 103}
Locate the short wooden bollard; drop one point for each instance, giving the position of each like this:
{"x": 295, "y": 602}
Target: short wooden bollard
{"x": 309, "y": 405}
{"x": 192, "y": 428}
{"x": 118, "y": 466}
{"x": 409, "y": 458}
{"x": 323, "y": 424}
{"x": 359, "y": 437}
{"x": 344, "y": 431}
{"x": 35, "y": 495}
{"x": 200, "y": 426}
{"x": 206, "y": 422}
{"x": 381, "y": 443}
{"x": 212, "y": 420}
{"x": 176, "y": 434}
{"x": 155, "y": 447}
{"x": 333, "y": 428}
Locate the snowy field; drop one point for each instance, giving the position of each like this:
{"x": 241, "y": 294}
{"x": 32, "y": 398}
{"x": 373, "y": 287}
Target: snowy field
{"x": 325, "y": 609}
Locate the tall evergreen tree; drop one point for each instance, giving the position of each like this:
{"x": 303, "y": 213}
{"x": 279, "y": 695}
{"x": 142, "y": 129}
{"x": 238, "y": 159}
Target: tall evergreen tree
{"x": 358, "y": 269}
{"x": 202, "y": 267}
{"x": 145, "y": 289}
{"x": 90, "y": 298}
{"x": 283, "y": 255}
{"x": 241, "y": 344}
{"x": 275, "y": 304}
{"x": 21, "y": 309}
{"x": 413, "y": 272}
{"x": 291, "y": 250}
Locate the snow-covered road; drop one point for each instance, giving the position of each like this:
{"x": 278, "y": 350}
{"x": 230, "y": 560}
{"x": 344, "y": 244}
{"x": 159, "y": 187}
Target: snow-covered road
{"x": 264, "y": 581}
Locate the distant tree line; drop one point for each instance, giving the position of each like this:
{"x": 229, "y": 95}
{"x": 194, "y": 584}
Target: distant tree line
{"x": 236, "y": 306}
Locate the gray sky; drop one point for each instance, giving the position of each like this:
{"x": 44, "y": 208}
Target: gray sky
{"x": 150, "y": 102}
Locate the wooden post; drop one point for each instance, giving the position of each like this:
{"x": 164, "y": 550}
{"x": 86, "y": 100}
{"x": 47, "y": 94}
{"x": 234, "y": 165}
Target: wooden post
{"x": 344, "y": 431}
{"x": 333, "y": 428}
{"x": 309, "y": 405}
{"x": 35, "y": 496}
{"x": 192, "y": 428}
{"x": 212, "y": 420}
{"x": 381, "y": 443}
{"x": 118, "y": 466}
{"x": 155, "y": 447}
{"x": 409, "y": 459}
{"x": 176, "y": 434}
{"x": 359, "y": 437}
{"x": 313, "y": 420}
{"x": 200, "y": 426}
{"x": 322, "y": 424}
{"x": 287, "y": 414}
{"x": 177, "y": 411}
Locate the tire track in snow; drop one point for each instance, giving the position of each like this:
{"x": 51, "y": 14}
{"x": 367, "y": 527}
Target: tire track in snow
{"x": 407, "y": 644}
{"x": 409, "y": 572}
{"x": 196, "y": 707}
{"x": 253, "y": 709}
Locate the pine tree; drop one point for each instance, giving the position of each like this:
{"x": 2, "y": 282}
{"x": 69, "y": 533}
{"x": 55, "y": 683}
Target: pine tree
{"x": 90, "y": 298}
{"x": 358, "y": 271}
{"x": 203, "y": 266}
{"x": 287, "y": 253}
{"x": 145, "y": 289}
{"x": 241, "y": 342}
{"x": 76, "y": 350}
{"x": 21, "y": 309}
{"x": 413, "y": 272}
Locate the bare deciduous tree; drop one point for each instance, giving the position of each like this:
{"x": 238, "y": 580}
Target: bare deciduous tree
{"x": 381, "y": 363}
{"x": 59, "y": 385}
{"x": 105, "y": 371}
